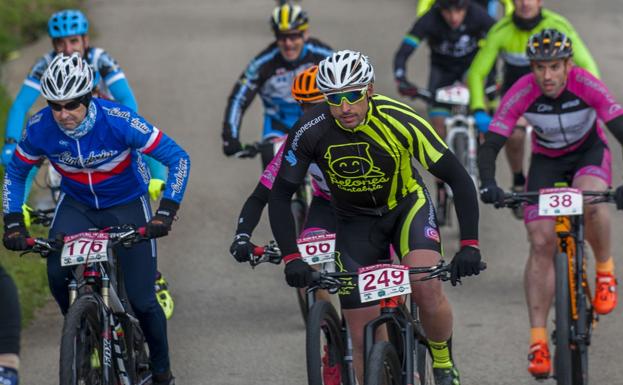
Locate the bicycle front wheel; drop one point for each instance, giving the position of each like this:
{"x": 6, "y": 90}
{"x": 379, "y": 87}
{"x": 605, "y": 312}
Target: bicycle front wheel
{"x": 383, "y": 366}
{"x": 563, "y": 322}
{"x": 82, "y": 359}
{"x": 324, "y": 346}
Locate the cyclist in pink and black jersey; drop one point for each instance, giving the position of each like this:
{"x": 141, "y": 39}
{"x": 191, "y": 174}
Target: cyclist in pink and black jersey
{"x": 568, "y": 108}
{"x": 320, "y": 215}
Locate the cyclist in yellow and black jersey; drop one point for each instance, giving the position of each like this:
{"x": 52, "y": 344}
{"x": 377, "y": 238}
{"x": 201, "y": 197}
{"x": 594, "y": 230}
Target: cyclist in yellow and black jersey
{"x": 364, "y": 145}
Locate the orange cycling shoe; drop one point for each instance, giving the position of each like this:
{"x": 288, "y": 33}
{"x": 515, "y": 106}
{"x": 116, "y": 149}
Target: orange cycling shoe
{"x": 331, "y": 368}
{"x": 540, "y": 360}
{"x": 605, "y": 293}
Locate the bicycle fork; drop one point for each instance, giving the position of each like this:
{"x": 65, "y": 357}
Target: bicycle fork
{"x": 391, "y": 313}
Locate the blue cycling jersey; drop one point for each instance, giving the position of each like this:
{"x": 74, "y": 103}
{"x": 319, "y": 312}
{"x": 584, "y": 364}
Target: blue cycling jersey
{"x": 103, "y": 168}
{"x": 271, "y": 75}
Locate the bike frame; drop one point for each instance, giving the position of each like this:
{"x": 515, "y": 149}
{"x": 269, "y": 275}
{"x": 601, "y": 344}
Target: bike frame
{"x": 570, "y": 232}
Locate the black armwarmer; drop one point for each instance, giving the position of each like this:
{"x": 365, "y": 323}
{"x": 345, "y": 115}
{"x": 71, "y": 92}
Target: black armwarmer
{"x": 487, "y": 154}
{"x": 400, "y": 60}
{"x": 280, "y": 214}
{"x": 449, "y": 169}
{"x": 616, "y": 127}
{"x": 252, "y": 210}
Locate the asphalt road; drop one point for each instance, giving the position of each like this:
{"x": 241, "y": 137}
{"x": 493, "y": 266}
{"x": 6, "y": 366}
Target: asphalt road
{"x": 233, "y": 325}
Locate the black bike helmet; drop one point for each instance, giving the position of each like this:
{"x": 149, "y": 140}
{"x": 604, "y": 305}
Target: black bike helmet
{"x": 549, "y": 44}
{"x": 447, "y": 4}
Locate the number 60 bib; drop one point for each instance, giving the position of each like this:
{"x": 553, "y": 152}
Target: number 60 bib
{"x": 83, "y": 247}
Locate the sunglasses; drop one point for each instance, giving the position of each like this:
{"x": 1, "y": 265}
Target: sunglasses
{"x": 289, "y": 36}
{"x": 351, "y": 97}
{"x": 69, "y": 106}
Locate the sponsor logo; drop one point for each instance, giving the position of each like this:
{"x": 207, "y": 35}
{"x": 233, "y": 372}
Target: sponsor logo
{"x": 291, "y": 158}
{"x": 92, "y": 159}
{"x": 352, "y": 169}
{"x": 570, "y": 104}
{"x": 305, "y": 127}
{"x": 6, "y": 194}
{"x": 142, "y": 169}
{"x": 63, "y": 143}
{"x": 515, "y": 99}
{"x": 140, "y": 125}
{"x": 117, "y": 112}
{"x": 540, "y": 107}
{"x": 180, "y": 176}
{"x": 614, "y": 109}
{"x": 35, "y": 119}
{"x": 431, "y": 233}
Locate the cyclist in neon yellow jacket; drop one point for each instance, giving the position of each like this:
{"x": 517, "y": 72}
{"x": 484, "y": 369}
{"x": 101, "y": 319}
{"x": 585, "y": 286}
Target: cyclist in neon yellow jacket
{"x": 491, "y": 6}
{"x": 508, "y": 39}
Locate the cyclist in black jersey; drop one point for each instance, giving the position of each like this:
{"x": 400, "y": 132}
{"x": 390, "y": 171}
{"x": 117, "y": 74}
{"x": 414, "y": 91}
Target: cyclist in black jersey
{"x": 271, "y": 73}
{"x": 9, "y": 330}
{"x": 364, "y": 144}
{"x": 453, "y": 29}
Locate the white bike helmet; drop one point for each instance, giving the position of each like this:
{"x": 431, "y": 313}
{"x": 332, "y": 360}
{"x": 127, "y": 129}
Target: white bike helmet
{"x": 344, "y": 69}
{"x": 66, "y": 78}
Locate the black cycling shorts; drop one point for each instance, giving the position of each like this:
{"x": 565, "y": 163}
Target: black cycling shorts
{"x": 592, "y": 158}
{"x": 366, "y": 240}
{"x": 10, "y": 319}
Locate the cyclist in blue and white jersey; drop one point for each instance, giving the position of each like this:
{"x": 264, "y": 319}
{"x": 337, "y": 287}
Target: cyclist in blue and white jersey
{"x": 68, "y": 30}
{"x": 97, "y": 146}
{"x": 271, "y": 73}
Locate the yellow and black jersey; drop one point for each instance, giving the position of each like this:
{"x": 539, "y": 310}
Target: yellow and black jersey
{"x": 368, "y": 168}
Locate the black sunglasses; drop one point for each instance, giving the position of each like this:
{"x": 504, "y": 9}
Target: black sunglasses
{"x": 71, "y": 105}
{"x": 289, "y": 36}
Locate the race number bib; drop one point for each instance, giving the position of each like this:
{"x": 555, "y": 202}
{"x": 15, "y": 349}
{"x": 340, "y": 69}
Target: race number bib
{"x": 383, "y": 281}
{"x": 317, "y": 249}
{"x": 84, "y": 247}
{"x": 560, "y": 201}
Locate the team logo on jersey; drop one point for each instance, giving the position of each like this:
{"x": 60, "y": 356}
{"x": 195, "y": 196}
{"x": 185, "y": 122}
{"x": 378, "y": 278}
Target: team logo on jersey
{"x": 431, "y": 233}
{"x": 291, "y": 158}
{"x": 352, "y": 169}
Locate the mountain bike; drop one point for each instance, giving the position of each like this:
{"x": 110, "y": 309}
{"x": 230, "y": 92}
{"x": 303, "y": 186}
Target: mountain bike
{"x": 575, "y": 317}
{"x": 102, "y": 341}
{"x": 403, "y": 360}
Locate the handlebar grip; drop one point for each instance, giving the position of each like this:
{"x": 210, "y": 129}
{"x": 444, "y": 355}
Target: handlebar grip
{"x": 142, "y": 231}
{"x": 258, "y": 251}
{"x": 315, "y": 276}
{"x": 30, "y": 242}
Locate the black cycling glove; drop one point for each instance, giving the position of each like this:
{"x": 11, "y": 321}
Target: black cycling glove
{"x": 242, "y": 248}
{"x": 15, "y": 232}
{"x": 465, "y": 263}
{"x": 231, "y": 145}
{"x": 298, "y": 273}
{"x": 491, "y": 193}
{"x": 160, "y": 224}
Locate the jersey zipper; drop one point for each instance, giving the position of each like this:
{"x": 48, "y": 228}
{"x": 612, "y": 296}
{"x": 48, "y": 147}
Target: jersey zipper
{"x": 562, "y": 130}
{"x": 97, "y": 205}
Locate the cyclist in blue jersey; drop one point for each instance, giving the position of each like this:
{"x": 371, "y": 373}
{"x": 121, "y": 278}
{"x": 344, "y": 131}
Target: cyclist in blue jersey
{"x": 68, "y": 30}
{"x": 271, "y": 73}
{"x": 9, "y": 330}
{"x": 98, "y": 146}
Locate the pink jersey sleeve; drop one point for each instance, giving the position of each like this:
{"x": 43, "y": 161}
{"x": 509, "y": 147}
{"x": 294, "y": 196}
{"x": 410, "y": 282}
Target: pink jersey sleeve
{"x": 513, "y": 105}
{"x": 595, "y": 93}
{"x": 271, "y": 171}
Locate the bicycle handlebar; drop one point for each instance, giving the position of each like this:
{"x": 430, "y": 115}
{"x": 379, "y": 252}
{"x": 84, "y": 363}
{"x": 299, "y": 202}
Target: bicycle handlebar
{"x": 117, "y": 234}
{"x": 332, "y": 282}
{"x": 269, "y": 253}
{"x": 514, "y": 199}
